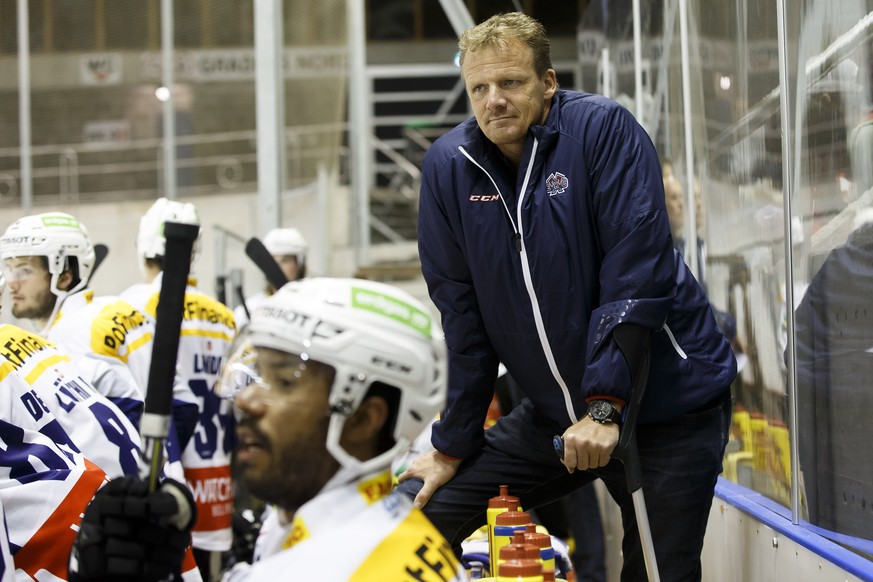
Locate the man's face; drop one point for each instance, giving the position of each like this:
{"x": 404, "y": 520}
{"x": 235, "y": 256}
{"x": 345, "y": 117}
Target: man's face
{"x": 282, "y": 455}
{"x": 289, "y": 266}
{"x": 29, "y": 285}
{"x": 506, "y": 93}
{"x": 675, "y": 200}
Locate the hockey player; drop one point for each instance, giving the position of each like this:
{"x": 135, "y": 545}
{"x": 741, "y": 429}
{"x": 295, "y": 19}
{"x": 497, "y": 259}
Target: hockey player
{"x": 45, "y": 489}
{"x": 333, "y": 378}
{"x": 61, "y": 439}
{"x": 207, "y": 331}
{"x": 289, "y": 249}
{"x": 48, "y": 259}
{"x": 50, "y": 382}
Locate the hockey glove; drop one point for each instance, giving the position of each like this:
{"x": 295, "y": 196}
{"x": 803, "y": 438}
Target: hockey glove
{"x": 130, "y": 534}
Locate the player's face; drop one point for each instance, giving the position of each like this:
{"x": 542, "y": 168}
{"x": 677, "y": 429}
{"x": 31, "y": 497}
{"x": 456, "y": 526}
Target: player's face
{"x": 507, "y": 94}
{"x": 289, "y": 266}
{"x": 282, "y": 432}
{"x": 29, "y": 284}
{"x": 675, "y": 200}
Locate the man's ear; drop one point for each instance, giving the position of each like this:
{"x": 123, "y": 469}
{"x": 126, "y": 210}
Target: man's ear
{"x": 65, "y": 281}
{"x": 551, "y": 82}
{"x": 362, "y": 428}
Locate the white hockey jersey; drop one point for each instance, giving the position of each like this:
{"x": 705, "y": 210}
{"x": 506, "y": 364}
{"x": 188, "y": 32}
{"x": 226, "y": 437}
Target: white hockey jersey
{"x": 81, "y": 419}
{"x": 208, "y": 329}
{"x": 52, "y": 425}
{"x": 111, "y": 344}
{"x": 44, "y": 489}
{"x": 357, "y": 532}
{"x": 45, "y": 481}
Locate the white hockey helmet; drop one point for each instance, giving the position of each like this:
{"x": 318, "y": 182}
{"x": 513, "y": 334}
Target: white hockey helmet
{"x": 369, "y": 333}
{"x": 57, "y": 236}
{"x": 150, "y": 240}
{"x": 287, "y": 241}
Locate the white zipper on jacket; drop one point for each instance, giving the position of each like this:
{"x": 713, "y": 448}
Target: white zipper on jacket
{"x": 673, "y": 341}
{"x": 528, "y": 281}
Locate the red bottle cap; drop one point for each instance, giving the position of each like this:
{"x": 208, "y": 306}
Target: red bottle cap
{"x": 532, "y": 536}
{"x": 520, "y": 568}
{"x": 519, "y": 549}
{"x": 504, "y": 499}
{"x": 512, "y": 517}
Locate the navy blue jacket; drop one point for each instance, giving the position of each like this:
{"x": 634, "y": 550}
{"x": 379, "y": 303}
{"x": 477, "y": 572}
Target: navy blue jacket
{"x": 534, "y": 267}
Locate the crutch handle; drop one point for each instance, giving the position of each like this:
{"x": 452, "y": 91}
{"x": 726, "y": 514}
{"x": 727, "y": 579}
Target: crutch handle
{"x": 633, "y": 341}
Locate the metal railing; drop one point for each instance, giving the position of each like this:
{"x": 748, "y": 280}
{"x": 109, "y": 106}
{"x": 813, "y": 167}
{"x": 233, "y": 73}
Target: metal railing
{"x": 214, "y": 163}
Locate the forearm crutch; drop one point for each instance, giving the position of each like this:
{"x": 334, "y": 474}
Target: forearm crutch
{"x": 633, "y": 341}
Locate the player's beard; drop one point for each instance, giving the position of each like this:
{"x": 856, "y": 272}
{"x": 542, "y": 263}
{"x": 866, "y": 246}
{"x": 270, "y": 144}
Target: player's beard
{"x": 41, "y": 308}
{"x": 296, "y": 471}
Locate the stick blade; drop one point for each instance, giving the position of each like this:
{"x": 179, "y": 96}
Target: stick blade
{"x": 260, "y": 256}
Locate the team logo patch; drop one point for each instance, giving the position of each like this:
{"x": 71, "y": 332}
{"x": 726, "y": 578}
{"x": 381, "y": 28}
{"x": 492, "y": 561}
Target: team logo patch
{"x": 556, "y": 183}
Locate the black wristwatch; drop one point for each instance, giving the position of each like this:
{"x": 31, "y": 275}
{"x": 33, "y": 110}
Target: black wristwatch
{"x": 603, "y": 411}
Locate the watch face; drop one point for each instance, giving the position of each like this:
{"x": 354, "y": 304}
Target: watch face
{"x": 601, "y": 411}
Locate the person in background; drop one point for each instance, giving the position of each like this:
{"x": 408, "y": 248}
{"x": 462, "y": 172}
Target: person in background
{"x": 545, "y": 244}
{"x": 674, "y": 196}
{"x": 332, "y": 379}
{"x": 289, "y": 249}
{"x": 833, "y": 336}
{"x": 207, "y": 331}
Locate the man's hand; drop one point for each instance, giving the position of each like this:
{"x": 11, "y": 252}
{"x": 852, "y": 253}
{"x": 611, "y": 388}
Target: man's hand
{"x": 130, "y": 534}
{"x": 589, "y": 444}
{"x": 435, "y": 470}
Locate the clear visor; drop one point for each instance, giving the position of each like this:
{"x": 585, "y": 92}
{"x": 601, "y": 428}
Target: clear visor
{"x": 264, "y": 374}
{"x": 16, "y": 270}
{"x": 238, "y": 371}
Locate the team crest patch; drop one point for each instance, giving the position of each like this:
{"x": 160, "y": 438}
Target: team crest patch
{"x": 556, "y": 183}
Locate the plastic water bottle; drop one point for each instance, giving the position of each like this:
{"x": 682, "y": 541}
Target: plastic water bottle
{"x": 496, "y": 505}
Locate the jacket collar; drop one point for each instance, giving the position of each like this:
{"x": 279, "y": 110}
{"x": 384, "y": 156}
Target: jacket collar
{"x": 547, "y": 133}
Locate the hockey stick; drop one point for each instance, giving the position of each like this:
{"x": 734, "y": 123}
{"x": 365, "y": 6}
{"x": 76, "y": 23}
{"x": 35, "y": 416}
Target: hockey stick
{"x": 261, "y": 257}
{"x": 626, "y": 450}
{"x": 162, "y": 368}
{"x": 101, "y": 251}
{"x": 236, "y": 278}
{"x": 220, "y": 288}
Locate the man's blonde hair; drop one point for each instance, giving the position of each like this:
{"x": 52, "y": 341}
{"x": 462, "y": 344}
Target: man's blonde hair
{"x": 501, "y": 29}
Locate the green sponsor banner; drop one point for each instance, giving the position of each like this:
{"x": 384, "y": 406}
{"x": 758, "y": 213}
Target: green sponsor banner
{"x": 390, "y": 307}
{"x": 58, "y": 220}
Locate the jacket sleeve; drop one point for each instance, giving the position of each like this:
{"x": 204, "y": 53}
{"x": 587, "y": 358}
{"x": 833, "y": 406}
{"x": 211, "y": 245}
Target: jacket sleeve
{"x": 637, "y": 283}
{"x": 471, "y": 359}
